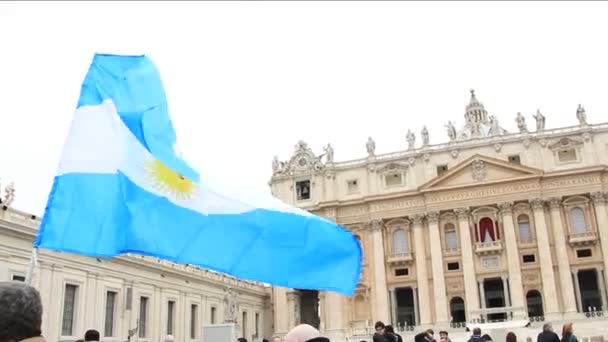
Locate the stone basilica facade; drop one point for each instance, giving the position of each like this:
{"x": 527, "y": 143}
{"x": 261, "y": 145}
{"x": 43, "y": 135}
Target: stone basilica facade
{"x": 489, "y": 226}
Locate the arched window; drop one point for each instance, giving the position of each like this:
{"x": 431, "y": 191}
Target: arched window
{"x": 523, "y": 222}
{"x": 535, "y": 304}
{"x": 457, "y": 310}
{"x": 577, "y": 220}
{"x": 487, "y": 233}
{"x": 360, "y": 310}
{"x": 451, "y": 240}
{"x": 400, "y": 241}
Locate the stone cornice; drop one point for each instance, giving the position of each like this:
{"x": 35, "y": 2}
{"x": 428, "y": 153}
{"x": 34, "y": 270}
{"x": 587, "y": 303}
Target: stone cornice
{"x": 515, "y": 189}
{"x": 512, "y": 138}
{"x": 181, "y": 271}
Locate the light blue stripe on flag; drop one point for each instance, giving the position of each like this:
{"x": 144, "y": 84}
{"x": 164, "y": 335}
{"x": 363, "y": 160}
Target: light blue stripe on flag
{"x": 121, "y": 188}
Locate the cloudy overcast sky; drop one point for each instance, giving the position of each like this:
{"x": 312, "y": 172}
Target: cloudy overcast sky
{"x": 246, "y": 81}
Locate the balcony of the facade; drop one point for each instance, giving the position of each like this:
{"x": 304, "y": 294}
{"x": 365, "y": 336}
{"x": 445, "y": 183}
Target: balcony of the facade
{"x": 488, "y": 247}
{"x": 402, "y": 258}
{"x": 527, "y": 243}
{"x": 451, "y": 251}
{"x": 582, "y": 239}
{"x": 500, "y": 314}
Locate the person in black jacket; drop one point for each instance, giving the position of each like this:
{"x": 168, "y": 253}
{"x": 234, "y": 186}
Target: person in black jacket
{"x": 390, "y": 335}
{"x": 379, "y": 334}
{"x": 426, "y": 336}
{"x": 547, "y": 335}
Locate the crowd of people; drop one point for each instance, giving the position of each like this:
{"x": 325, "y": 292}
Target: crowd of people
{"x": 386, "y": 333}
{"x": 21, "y": 321}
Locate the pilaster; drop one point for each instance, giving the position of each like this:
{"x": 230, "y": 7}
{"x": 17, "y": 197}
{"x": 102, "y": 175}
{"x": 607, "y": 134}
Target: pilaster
{"x": 546, "y": 261}
{"x": 422, "y": 275}
{"x": 380, "y": 289}
{"x": 563, "y": 263}
{"x": 513, "y": 263}
{"x": 468, "y": 262}
{"x": 439, "y": 292}
{"x": 599, "y": 203}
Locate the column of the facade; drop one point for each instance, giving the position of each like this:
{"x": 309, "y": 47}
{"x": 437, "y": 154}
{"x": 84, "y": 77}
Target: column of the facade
{"x": 482, "y": 294}
{"x": 563, "y": 263}
{"x": 482, "y": 298}
{"x": 416, "y": 307}
{"x": 505, "y": 287}
{"x": 468, "y": 263}
{"x": 513, "y": 265}
{"x": 280, "y": 314}
{"x": 439, "y": 293}
{"x": 293, "y": 308}
{"x": 393, "y": 299}
{"x": 601, "y": 287}
{"x": 334, "y": 316}
{"x": 546, "y": 261}
{"x": 577, "y": 290}
{"x": 380, "y": 289}
{"x": 422, "y": 275}
{"x": 599, "y": 202}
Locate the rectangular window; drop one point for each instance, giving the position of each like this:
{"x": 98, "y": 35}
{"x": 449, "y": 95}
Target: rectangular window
{"x": 303, "y": 190}
{"x": 143, "y": 316}
{"x": 244, "y": 324}
{"x": 401, "y": 272}
{"x": 18, "y": 278}
{"x": 352, "y": 186}
{"x": 525, "y": 233}
{"x": 451, "y": 240}
{"x": 69, "y": 310}
{"x": 170, "y": 316}
{"x": 108, "y": 330}
{"x": 583, "y": 253}
{"x": 441, "y": 169}
{"x": 529, "y": 258}
{"x": 257, "y": 324}
{"x": 393, "y": 179}
{"x": 514, "y": 159}
{"x": 566, "y": 155}
{"x": 193, "y": 320}
{"x": 453, "y": 266}
{"x": 212, "y": 315}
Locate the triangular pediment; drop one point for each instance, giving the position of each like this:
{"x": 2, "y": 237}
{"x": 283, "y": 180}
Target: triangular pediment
{"x": 478, "y": 170}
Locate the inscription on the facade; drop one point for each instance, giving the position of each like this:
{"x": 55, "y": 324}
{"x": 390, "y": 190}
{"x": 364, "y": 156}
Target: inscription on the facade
{"x": 395, "y": 204}
{"x": 353, "y": 211}
{"x": 562, "y": 182}
{"x": 479, "y": 193}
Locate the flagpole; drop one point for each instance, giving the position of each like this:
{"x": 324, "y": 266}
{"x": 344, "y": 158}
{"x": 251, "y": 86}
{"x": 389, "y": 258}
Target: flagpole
{"x": 33, "y": 263}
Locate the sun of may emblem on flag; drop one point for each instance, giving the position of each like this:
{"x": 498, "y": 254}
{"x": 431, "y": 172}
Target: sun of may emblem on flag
{"x": 166, "y": 180}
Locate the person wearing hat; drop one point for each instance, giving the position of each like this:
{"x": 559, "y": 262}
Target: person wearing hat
{"x": 304, "y": 333}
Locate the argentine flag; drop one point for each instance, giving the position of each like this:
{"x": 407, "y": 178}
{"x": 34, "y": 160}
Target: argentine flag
{"x": 122, "y": 188}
